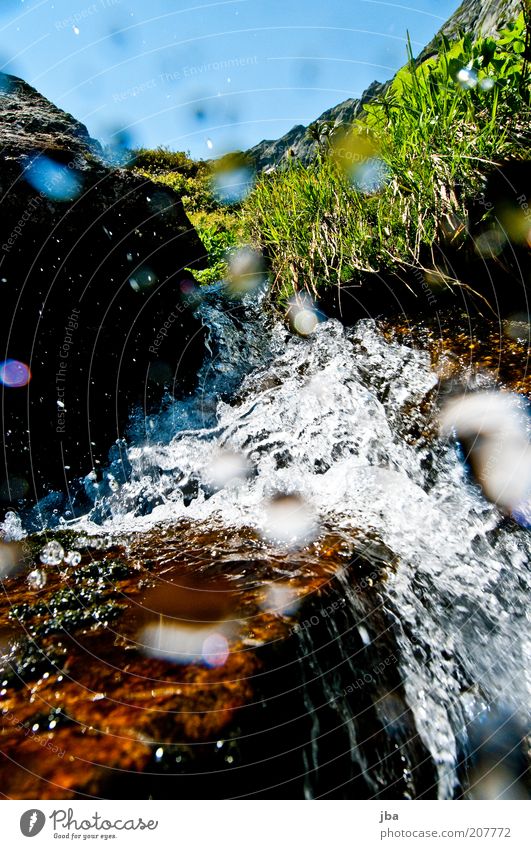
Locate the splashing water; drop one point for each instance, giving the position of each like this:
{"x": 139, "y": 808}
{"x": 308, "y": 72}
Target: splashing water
{"x": 336, "y": 417}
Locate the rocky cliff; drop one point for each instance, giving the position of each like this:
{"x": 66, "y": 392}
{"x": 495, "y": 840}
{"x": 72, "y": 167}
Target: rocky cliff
{"x": 298, "y": 143}
{"x": 482, "y": 17}
{"x": 92, "y": 269}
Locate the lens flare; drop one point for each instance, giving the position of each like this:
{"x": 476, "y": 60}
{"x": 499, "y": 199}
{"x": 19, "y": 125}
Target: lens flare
{"x": 58, "y": 182}
{"x": 14, "y": 374}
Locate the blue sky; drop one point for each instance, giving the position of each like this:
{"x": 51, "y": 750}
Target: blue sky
{"x": 207, "y": 77}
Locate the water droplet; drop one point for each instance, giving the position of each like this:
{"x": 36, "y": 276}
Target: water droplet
{"x": 487, "y": 83}
{"x": 233, "y": 179}
{"x": 492, "y": 427}
{"x": 11, "y": 527}
{"x": 73, "y": 558}
{"x": 467, "y": 78}
{"x": 289, "y": 520}
{"x": 52, "y": 554}
{"x": 226, "y": 467}
{"x": 245, "y": 271}
{"x": 280, "y": 599}
{"x": 58, "y": 182}
{"x": 143, "y": 279}
{"x": 9, "y": 560}
{"x": 364, "y": 634}
{"x": 14, "y": 374}
{"x": 370, "y": 176}
{"x": 36, "y": 579}
{"x": 215, "y": 650}
{"x": 490, "y": 243}
{"x": 182, "y": 619}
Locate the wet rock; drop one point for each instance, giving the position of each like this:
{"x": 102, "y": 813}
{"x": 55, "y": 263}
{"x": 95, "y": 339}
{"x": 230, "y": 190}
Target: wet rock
{"x": 76, "y": 236}
{"x": 304, "y": 705}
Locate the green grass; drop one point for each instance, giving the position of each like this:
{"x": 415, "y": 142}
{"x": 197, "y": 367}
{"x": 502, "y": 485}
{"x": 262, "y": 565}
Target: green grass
{"x": 219, "y": 227}
{"x": 434, "y": 138}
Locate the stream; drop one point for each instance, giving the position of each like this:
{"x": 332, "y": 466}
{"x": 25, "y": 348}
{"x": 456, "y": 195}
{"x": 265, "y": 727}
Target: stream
{"x": 345, "y": 423}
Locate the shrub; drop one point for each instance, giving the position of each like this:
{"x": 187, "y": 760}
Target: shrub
{"x": 218, "y": 226}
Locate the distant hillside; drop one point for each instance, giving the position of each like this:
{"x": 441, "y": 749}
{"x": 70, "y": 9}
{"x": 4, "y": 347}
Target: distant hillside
{"x": 479, "y": 17}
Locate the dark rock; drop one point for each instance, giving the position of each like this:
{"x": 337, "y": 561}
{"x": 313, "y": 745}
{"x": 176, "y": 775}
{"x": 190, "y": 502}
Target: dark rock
{"x": 91, "y": 296}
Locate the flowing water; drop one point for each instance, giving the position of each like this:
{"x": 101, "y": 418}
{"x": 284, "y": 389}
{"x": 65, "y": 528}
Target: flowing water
{"x": 348, "y": 421}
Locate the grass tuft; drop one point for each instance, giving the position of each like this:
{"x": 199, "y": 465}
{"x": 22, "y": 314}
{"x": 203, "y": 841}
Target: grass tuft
{"x": 381, "y": 192}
